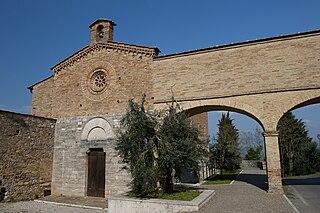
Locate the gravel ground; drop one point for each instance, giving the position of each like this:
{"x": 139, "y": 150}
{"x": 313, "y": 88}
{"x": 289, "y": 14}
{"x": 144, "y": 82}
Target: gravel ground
{"x": 39, "y": 207}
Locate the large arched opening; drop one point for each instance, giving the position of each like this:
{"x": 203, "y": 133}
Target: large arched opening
{"x": 246, "y": 123}
{"x": 299, "y": 139}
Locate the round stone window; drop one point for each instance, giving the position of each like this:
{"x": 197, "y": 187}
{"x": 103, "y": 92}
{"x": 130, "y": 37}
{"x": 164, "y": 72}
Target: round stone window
{"x": 98, "y": 81}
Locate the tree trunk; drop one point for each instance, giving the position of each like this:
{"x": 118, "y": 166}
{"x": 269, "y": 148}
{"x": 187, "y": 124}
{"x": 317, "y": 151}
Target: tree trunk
{"x": 168, "y": 182}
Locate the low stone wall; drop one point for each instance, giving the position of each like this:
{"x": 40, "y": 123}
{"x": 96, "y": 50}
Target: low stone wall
{"x": 253, "y": 164}
{"x": 124, "y": 204}
{"x": 26, "y": 153}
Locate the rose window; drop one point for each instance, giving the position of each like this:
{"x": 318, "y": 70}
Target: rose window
{"x": 98, "y": 81}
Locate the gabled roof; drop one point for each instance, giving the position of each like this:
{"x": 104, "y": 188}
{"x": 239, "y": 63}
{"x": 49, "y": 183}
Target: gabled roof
{"x": 31, "y": 87}
{"x": 116, "y": 46}
{"x": 102, "y": 20}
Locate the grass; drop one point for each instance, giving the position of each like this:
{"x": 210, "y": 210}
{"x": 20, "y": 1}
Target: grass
{"x": 310, "y": 175}
{"x": 226, "y": 178}
{"x": 176, "y": 195}
{"x": 186, "y": 196}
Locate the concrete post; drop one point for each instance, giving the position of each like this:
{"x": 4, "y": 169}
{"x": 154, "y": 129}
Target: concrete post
{"x": 273, "y": 162}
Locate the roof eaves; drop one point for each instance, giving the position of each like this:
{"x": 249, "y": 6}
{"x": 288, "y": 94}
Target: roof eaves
{"x": 53, "y": 67}
{"x": 104, "y": 20}
{"x": 27, "y": 115}
{"x": 238, "y": 44}
{"x": 31, "y": 87}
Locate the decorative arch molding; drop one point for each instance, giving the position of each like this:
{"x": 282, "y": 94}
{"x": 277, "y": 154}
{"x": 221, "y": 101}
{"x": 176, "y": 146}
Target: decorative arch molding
{"x": 299, "y": 99}
{"x": 97, "y": 129}
{"x": 307, "y": 100}
{"x": 198, "y": 106}
{"x": 200, "y": 109}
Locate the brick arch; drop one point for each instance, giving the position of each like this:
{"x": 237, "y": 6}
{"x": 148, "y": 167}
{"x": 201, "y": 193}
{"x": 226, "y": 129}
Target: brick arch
{"x": 197, "y": 110}
{"x": 196, "y": 107}
{"x": 307, "y": 103}
{"x": 300, "y": 99}
{"x": 97, "y": 128}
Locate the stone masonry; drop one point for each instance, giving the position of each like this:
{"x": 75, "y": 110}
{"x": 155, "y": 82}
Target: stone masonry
{"x": 262, "y": 79}
{"x": 74, "y": 139}
{"x": 26, "y": 154}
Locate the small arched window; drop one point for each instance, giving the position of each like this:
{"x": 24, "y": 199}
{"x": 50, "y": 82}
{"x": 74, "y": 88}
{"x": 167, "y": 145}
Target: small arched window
{"x": 100, "y": 32}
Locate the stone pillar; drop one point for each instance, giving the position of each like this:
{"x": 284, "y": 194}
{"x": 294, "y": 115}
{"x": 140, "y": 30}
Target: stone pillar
{"x": 273, "y": 162}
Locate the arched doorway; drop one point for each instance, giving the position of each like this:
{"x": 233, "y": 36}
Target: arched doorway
{"x": 94, "y": 135}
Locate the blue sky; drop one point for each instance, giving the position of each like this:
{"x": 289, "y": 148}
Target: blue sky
{"x": 37, "y": 34}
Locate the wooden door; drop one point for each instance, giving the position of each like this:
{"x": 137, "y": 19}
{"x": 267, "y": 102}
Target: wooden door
{"x": 96, "y": 173}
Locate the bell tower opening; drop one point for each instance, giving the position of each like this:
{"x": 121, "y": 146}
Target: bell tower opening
{"x": 101, "y": 31}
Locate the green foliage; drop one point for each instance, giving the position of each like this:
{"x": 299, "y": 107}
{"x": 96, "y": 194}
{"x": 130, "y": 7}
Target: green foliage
{"x": 186, "y": 196}
{"x": 225, "y": 154}
{"x": 156, "y": 144}
{"x": 253, "y": 153}
{"x": 307, "y": 162}
{"x": 226, "y": 178}
{"x": 298, "y": 154}
{"x": 175, "y": 195}
{"x": 252, "y": 139}
{"x": 135, "y": 145}
{"x": 179, "y": 147}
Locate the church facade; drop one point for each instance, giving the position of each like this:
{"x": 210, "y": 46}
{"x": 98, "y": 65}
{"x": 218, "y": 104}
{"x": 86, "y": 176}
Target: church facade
{"x": 87, "y": 95}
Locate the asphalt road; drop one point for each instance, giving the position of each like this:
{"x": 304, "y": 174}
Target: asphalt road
{"x": 304, "y": 193}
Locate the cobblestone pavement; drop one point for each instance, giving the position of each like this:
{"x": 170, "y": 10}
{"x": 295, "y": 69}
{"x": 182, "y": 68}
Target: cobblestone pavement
{"x": 247, "y": 194}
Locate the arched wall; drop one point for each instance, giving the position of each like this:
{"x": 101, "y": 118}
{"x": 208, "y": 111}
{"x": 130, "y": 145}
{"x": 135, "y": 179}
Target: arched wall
{"x": 235, "y": 104}
{"x": 267, "y": 109}
{"x": 294, "y": 100}
{"x": 97, "y": 129}
{"x": 74, "y": 139}
{"x": 200, "y": 109}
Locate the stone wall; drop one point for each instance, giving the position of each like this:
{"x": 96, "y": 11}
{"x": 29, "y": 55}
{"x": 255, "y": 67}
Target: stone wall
{"x": 201, "y": 122}
{"x": 127, "y": 76}
{"x": 253, "y": 164}
{"x": 256, "y": 67}
{"x": 74, "y": 138}
{"x": 42, "y": 98}
{"x": 26, "y": 153}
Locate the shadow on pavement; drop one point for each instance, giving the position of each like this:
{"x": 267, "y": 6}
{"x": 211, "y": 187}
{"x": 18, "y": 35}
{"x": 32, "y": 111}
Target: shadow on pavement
{"x": 258, "y": 180}
{"x": 301, "y": 181}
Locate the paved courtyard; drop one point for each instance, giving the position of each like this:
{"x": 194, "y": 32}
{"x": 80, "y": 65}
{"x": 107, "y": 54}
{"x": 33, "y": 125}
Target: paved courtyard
{"x": 247, "y": 194}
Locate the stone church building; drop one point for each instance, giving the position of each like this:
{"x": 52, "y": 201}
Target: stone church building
{"x": 76, "y": 112}
{"x": 87, "y": 95}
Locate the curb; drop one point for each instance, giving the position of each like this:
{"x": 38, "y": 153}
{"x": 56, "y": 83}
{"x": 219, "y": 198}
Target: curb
{"x": 72, "y": 205}
{"x": 291, "y": 204}
{"x": 236, "y": 177}
{"x": 122, "y": 203}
